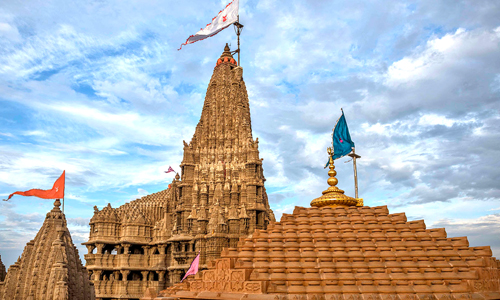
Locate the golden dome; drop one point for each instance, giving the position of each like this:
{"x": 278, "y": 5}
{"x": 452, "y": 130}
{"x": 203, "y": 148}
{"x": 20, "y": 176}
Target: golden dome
{"x": 333, "y": 196}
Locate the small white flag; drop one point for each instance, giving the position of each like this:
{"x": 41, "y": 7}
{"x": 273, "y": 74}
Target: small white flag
{"x": 226, "y": 17}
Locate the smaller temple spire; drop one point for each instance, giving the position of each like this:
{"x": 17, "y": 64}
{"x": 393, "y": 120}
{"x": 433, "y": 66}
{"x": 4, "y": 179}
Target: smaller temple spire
{"x": 333, "y": 196}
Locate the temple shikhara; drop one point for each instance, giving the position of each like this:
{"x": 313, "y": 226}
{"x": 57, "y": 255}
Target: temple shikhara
{"x": 50, "y": 267}
{"x": 336, "y": 249}
{"x": 219, "y": 197}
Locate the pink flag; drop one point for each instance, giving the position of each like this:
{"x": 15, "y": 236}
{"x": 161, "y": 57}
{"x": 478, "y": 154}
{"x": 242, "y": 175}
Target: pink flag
{"x": 193, "y": 269}
{"x": 169, "y": 170}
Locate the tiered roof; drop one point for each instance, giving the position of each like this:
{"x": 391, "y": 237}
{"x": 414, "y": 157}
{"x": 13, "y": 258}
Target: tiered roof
{"x": 348, "y": 253}
{"x": 341, "y": 250}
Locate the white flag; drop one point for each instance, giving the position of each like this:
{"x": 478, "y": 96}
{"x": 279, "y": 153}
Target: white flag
{"x": 226, "y": 17}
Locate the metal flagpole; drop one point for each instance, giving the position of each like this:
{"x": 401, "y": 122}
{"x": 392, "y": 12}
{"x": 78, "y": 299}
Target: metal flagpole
{"x": 238, "y": 28}
{"x": 354, "y": 157}
{"x": 63, "y": 205}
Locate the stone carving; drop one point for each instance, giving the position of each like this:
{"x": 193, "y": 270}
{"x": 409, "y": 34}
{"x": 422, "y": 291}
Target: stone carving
{"x": 218, "y": 197}
{"x": 50, "y": 267}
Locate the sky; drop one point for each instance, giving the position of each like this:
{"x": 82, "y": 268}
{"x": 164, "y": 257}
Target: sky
{"x": 99, "y": 89}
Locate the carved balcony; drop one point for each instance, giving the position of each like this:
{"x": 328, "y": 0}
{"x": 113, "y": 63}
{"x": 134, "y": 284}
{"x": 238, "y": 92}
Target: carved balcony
{"x": 184, "y": 257}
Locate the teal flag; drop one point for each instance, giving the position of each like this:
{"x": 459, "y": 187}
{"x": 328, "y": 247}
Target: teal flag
{"x": 342, "y": 143}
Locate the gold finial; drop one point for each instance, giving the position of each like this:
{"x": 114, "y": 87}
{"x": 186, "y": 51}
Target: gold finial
{"x": 333, "y": 196}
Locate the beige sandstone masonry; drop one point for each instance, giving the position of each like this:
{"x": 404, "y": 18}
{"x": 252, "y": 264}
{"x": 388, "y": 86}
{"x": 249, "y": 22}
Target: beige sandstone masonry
{"x": 347, "y": 253}
{"x": 50, "y": 267}
{"x": 150, "y": 242}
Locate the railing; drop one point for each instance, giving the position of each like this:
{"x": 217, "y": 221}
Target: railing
{"x": 129, "y": 289}
{"x": 105, "y": 261}
{"x": 157, "y": 260}
{"x": 183, "y": 257}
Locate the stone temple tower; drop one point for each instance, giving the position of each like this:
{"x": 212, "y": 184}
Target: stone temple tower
{"x": 219, "y": 197}
{"x": 50, "y": 267}
{"x": 222, "y": 193}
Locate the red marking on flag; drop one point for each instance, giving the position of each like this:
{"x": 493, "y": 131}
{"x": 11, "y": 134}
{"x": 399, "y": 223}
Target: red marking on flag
{"x": 224, "y": 18}
{"x": 207, "y": 26}
{"x": 341, "y": 140}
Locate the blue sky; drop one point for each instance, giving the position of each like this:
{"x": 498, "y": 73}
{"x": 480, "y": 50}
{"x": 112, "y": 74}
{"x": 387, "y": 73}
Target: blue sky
{"x": 98, "y": 88}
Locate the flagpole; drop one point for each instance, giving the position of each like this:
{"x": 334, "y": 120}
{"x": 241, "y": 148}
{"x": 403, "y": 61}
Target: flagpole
{"x": 238, "y": 28}
{"x": 354, "y": 157}
{"x": 63, "y": 205}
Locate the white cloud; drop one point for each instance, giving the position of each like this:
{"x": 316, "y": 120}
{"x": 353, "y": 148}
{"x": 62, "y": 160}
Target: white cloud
{"x": 39, "y": 133}
{"x": 7, "y": 134}
{"x": 442, "y": 55}
{"x": 99, "y": 89}
{"x": 9, "y": 32}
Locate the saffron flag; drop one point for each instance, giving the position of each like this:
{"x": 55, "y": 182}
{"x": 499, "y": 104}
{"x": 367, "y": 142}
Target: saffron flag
{"x": 226, "y": 17}
{"x": 169, "y": 170}
{"x": 57, "y": 191}
{"x": 193, "y": 269}
{"x": 342, "y": 143}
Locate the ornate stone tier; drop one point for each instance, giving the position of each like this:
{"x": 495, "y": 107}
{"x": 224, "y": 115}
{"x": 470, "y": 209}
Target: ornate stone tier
{"x": 349, "y": 253}
{"x": 127, "y": 248}
{"x": 50, "y": 267}
{"x": 150, "y": 242}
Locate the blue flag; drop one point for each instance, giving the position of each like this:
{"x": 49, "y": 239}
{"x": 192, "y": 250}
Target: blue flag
{"x": 342, "y": 143}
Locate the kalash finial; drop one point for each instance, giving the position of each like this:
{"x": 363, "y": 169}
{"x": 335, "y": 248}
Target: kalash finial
{"x": 333, "y": 196}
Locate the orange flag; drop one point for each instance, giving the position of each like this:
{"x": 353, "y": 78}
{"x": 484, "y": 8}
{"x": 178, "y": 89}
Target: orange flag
{"x": 56, "y": 192}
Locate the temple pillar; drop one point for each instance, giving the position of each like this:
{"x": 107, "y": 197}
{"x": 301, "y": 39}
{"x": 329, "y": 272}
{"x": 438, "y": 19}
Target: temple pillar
{"x": 97, "y": 275}
{"x": 124, "y": 274}
{"x": 126, "y": 248}
{"x": 90, "y": 248}
{"x": 144, "y": 275}
{"x": 161, "y": 275}
{"x": 99, "y": 248}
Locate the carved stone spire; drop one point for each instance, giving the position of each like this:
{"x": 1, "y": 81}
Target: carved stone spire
{"x": 221, "y": 168}
{"x": 220, "y": 198}
{"x": 50, "y": 267}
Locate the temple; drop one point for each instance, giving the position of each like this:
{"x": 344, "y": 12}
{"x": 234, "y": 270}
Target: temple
{"x": 218, "y": 198}
{"x": 50, "y": 267}
{"x": 340, "y": 250}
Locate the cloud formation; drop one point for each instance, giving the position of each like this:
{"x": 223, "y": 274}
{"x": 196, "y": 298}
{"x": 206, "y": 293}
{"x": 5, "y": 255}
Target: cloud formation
{"x": 98, "y": 89}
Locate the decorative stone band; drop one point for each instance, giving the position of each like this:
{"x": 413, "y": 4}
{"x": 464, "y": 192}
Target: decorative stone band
{"x": 319, "y": 202}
